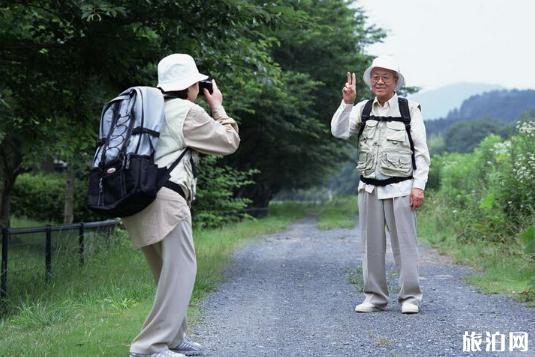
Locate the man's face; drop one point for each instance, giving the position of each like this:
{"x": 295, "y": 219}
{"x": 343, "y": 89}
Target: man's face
{"x": 383, "y": 83}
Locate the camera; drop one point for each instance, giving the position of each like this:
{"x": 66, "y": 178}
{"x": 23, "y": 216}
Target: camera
{"x": 207, "y": 83}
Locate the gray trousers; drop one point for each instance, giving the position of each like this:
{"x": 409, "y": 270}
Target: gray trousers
{"x": 400, "y": 220}
{"x": 174, "y": 266}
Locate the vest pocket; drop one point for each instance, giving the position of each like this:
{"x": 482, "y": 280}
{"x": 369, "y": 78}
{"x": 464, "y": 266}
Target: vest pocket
{"x": 396, "y": 164}
{"x": 369, "y": 129}
{"x": 396, "y": 136}
{"x": 365, "y": 160}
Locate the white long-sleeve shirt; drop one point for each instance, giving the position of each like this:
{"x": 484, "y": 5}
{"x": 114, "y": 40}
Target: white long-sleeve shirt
{"x": 345, "y": 123}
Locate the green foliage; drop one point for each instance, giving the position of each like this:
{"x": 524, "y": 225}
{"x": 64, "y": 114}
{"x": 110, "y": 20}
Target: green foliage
{"x": 492, "y": 188}
{"x": 97, "y": 309}
{"x": 435, "y": 143}
{"x": 507, "y": 106}
{"x": 215, "y": 204}
{"x": 528, "y": 238}
{"x": 501, "y": 267}
{"x": 341, "y": 212}
{"x": 41, "y": 197}
{"x": 333, "y": 212}
{"x": 287, "y": 137}
{"x": 464, "y": 136}
{"x": 276, "y": 62}
{"x": 483, "y": 210}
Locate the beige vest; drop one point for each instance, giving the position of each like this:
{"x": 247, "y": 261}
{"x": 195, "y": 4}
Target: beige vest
{"x": 171, "y": 145}
{"x": 384, "y": 150}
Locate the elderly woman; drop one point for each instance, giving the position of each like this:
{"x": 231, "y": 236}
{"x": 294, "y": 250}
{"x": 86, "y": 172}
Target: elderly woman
{"x": 163, "y": 229}
{"x": 393, "y": 161}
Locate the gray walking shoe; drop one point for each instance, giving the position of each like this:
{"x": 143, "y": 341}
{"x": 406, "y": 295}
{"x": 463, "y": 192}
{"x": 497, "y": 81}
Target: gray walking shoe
{"x": 188, "y": 347}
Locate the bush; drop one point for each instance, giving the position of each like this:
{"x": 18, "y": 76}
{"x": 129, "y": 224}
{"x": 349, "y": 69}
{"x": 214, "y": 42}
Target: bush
{"x": 41, "y": 196}
{"x": 215, "y": 204}
{"x": 492, "y": 187}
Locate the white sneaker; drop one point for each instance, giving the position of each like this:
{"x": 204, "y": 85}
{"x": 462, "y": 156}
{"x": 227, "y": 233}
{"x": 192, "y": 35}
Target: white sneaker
{"x": 367, "y": 307}
{"x": 166, "y": 353}
{"x": 188, "y": 347}
{"x": 409, "y": 308}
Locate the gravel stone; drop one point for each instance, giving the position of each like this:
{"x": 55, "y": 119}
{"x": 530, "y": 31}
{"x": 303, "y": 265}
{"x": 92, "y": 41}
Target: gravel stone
{"x": 291, "y": 294}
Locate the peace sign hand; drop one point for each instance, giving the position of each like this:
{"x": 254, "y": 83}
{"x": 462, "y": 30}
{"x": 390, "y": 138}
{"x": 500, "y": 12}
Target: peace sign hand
{"x": 349, "y": 92}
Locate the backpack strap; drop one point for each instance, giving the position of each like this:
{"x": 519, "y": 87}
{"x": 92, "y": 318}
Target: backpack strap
{"x": 365, "y": 116}
{"x": 405, "y": 113}
{"x": 141, "y": 130}
{"x": 173, "y": 165}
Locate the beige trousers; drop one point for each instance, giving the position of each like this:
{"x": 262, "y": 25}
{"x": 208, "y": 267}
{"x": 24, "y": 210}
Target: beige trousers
{"x": 400, "y": 220}
{"x": 174, "y": 266}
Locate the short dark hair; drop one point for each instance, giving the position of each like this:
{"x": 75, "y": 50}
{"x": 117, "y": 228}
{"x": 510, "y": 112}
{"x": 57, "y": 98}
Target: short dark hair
{"x": 182, "y": 94}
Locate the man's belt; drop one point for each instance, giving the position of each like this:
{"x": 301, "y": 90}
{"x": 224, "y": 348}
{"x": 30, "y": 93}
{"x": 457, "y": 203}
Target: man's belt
{"x": 388, "y": 181}
{"x": 175, "y": 187}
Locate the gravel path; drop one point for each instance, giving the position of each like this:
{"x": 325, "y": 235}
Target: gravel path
{"x": 293, "y": 294}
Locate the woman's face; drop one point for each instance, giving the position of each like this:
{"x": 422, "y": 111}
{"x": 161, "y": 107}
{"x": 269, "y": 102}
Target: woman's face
{"x": 193, "y": 92}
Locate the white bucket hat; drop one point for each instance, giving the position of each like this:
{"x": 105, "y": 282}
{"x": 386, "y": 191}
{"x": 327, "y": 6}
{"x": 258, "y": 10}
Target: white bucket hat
{"x": 386, "y": 62}
{"x": 178, "y": 72}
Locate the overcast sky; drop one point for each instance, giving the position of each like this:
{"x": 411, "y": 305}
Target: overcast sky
{"x": 440, "y": 42}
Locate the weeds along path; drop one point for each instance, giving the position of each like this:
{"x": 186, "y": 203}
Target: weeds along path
{"x": 293, "y": 294}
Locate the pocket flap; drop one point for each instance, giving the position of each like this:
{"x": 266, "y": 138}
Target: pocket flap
{"x": 399, "y": 159}
{"x": 397, "y": 135}
{"x": 395, "y": 125}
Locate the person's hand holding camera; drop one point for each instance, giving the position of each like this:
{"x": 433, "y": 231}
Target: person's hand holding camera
{"x": 215, "y": 99}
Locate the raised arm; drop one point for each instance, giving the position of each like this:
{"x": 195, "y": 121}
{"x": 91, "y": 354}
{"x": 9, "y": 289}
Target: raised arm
{"x": 345, "y": 119}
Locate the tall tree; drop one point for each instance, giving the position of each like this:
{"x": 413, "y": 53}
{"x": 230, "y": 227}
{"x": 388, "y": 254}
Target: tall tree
{"x": 287, "y": 137}
{"x": 61, "y": 60}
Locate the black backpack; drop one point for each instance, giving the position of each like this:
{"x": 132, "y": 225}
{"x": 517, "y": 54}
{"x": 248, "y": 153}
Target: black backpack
{"x": 124, "y": 178}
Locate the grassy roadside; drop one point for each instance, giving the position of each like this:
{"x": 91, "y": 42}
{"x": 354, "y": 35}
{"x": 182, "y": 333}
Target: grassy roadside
{"x": 502, "y": 267}
{"x": 96, "y": 310}
{"x": 340, "y": 212}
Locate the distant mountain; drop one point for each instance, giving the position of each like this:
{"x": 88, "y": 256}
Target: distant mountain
{"x": 438, "y": 102}
{"x": 506, "y": 106}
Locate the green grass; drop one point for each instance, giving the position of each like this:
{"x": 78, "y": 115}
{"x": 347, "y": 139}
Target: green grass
{"x": 501, "y": 267}
{"x": 26, "y": 222}
{"x": 97, "y": 309}
{"x": 340, "y": 212}
{"x": 354, "y": 276}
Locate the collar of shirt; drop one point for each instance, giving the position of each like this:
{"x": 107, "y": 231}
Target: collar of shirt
{"x": 389, "y": 106}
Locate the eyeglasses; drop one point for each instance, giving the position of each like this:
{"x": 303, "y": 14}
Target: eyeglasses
{"x": 386, "y": 79}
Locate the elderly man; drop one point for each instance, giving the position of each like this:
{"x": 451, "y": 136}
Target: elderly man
{"x": 393, "y": 162}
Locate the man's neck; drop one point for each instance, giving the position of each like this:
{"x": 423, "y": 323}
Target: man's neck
{"x": 383, "y": 100}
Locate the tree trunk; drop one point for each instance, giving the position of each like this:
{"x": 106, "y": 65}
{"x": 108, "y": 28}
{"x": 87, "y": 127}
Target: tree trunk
{"x": 68, "y": 211}
{"x": 10, "y": 168}
{"x": 260, "y": 194}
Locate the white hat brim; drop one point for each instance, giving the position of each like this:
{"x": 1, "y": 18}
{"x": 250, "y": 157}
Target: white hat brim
{"x": 181, "y": 84}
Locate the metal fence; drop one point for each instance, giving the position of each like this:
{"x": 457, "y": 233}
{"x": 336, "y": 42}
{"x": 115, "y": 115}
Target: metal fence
{"x": 8, "y": 235}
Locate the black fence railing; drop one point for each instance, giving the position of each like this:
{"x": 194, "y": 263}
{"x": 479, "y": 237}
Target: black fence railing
{"x": 82, "y": 228}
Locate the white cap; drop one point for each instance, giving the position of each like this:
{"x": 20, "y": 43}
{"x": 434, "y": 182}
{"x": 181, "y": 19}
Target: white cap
{"x": 385, "y": 62}
{"x": 178, "y": 72}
